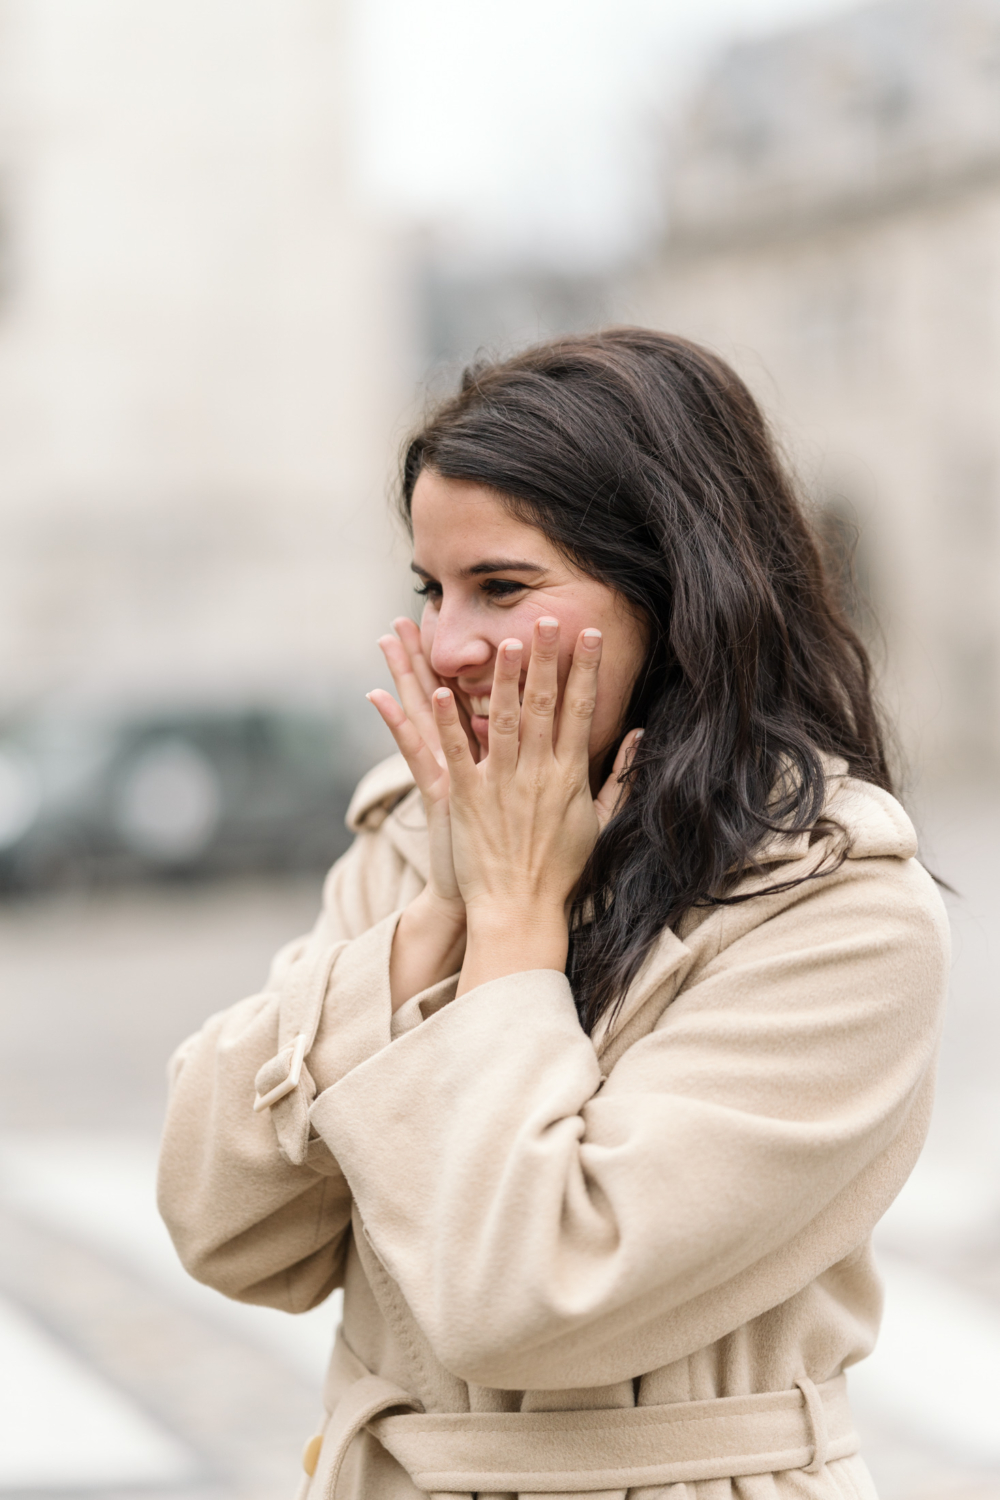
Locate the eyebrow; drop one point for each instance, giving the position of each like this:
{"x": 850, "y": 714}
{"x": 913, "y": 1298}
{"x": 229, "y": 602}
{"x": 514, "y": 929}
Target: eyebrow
{"x": 491, "y": 565}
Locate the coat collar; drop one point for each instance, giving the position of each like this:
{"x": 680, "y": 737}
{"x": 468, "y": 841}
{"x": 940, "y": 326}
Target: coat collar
{"x": 873, "y": 822}
{"x": 406, "y": 829}
{"x": 377, "y": 793}
{"x": 386, "y": 798}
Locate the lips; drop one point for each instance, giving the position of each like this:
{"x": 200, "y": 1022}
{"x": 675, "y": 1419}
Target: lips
{"x": 478, "y": 707}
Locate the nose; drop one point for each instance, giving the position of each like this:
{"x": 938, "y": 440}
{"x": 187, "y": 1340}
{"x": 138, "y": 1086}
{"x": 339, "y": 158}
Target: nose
{"x": 457, "y": 647}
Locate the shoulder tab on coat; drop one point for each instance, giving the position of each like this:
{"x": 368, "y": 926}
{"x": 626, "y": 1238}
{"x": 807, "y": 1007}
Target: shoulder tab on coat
{"x": 875, "y": 823}
{"x": 377, "y": 794}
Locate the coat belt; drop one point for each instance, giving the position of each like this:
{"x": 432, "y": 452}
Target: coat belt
{"x": 573, "y": 1452}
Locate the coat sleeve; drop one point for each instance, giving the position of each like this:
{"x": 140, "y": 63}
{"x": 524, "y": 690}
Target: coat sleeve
{"x": 257, "y": 1207}
{"x": 551, "y": 1229}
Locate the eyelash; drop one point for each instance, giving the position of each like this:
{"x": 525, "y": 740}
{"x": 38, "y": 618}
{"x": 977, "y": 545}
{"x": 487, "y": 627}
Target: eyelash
{"x": 493, "y": 588}
{"x": 502, "y": 588}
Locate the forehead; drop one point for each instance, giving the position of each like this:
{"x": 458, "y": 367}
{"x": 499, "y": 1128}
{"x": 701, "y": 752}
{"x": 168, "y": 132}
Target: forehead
{"x": 457, "y": 523}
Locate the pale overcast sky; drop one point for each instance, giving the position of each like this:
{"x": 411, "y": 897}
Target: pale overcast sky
{"x": 535, "y": 126}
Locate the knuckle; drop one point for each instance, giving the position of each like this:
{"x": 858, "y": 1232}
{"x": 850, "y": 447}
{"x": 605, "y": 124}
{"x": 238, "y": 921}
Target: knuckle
{"x": 506, "y": 722}
{"x": 582, "y": 708}
{"x": 540, "y": 702}
{"x": 454, "y": 751}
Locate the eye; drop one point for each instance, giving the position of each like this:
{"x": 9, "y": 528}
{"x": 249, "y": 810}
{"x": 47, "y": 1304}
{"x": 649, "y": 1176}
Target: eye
{"x": 428, "y": 589}
{"x": 502, "y": 588}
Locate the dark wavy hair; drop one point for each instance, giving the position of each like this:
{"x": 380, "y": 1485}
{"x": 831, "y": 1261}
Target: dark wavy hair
{"x": 646, "y": 460}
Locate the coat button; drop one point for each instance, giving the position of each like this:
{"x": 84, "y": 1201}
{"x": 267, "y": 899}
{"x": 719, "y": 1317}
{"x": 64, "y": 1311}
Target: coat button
{"x": 310, "y": 1454}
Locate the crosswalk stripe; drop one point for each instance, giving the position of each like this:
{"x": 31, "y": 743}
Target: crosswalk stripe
{"x": 63, "y": 1427}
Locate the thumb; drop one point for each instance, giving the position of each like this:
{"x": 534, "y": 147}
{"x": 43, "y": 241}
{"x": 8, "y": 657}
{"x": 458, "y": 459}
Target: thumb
{"x": 608, "y": 798}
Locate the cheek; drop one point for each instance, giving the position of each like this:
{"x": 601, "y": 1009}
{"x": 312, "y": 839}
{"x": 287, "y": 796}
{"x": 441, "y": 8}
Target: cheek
{"x": 565, "y": 662}
{"x": 428, "y": 624}
{"x": 623, "y": 658}
{"x": 625, "y": 667}
{"x": 619, "y": 682}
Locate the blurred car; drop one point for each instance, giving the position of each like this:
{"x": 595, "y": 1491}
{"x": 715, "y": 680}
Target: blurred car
{"x": 195, "y": 793}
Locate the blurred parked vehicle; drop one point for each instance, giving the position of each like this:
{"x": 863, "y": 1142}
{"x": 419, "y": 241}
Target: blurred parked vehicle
{"x": 181, "y": 794}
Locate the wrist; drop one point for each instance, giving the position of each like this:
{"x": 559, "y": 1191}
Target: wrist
{"x": 512, "y": 938}
{"x": 443, "y": 911}
{"x": 427, "y": 946}
{"x": 493, "y": 917}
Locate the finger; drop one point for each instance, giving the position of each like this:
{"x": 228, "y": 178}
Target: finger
{"x": 576, "y": 715}
{"x": 474, "y": 745}
{"x": 505, "y": 709}
{"x": 614, "y": 791}
{"x": 425, "y": 767}
{"x": 415, "y": 701}
{"x": 455, "y": 745}
{"x": 409, "y": 634}
{"x": 541, "y": 691}
{"x": 400, "y": 664}
{"x": 423, "y": 674}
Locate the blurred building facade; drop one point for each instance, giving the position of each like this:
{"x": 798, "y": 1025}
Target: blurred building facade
{"x": 203, "y": 356}
{"x": 835, "y": 232}
{"x": 472, "y": 312}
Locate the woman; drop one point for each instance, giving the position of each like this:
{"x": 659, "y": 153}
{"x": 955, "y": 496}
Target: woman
{"x": 607, "y": 1052}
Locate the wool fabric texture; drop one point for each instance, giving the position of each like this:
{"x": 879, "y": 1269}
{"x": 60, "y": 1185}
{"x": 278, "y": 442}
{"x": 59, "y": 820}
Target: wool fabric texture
{"x": 527, "y": 1219}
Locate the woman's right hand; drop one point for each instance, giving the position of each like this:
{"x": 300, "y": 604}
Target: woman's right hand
{"x": 429, "y": 942}
{"x": 412, "y": 725}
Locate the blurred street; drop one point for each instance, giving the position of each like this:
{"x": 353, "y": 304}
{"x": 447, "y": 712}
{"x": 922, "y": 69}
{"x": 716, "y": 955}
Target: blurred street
{"x": 161, "y": 1385}
{"x": 165, "y": 1389}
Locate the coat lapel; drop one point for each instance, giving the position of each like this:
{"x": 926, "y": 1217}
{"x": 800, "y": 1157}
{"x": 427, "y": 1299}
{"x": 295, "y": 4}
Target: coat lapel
{"x": 657, "y": 981}
{"x": 406, "y": 829}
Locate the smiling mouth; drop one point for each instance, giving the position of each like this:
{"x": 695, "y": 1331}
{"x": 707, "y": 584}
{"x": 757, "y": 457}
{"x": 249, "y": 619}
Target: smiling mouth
{"x": 479, "y": 703}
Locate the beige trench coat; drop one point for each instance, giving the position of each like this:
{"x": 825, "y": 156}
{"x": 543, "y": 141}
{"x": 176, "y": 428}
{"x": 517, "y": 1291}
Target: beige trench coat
{"x": 636, "y": 1263}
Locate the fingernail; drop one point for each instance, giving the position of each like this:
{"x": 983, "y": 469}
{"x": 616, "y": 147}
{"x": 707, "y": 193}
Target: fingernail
{"x": 512, "y": 650}
{"x": 547, "y": 629}
{"x": 639, "y": 734}
{"x": 442, "y": 694}
{"x": 592, "y": 637}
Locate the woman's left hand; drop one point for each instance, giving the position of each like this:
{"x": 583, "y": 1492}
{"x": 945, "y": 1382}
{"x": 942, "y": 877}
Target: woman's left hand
{"x": 524, "y": 820}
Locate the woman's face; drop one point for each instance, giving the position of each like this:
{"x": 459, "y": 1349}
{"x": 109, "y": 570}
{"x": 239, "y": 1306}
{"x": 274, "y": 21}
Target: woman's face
{"x": 487, "y": 576}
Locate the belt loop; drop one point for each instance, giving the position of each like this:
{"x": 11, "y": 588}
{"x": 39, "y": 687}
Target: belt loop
{"x": 364, "y": 1400}
{"x": 816, "y": 1417}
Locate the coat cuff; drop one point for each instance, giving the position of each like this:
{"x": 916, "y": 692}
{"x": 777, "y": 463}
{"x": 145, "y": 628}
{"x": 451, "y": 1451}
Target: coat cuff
{"x": 334, "y": 1011}
{"x": 421, "y": 1007}
{"x": 374, "y": 1113}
